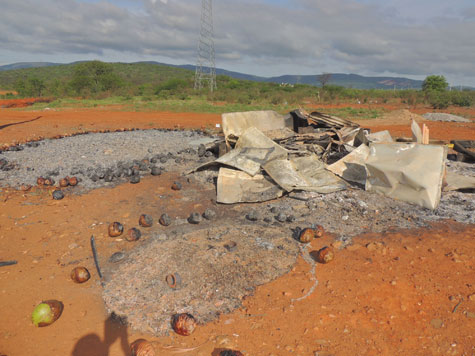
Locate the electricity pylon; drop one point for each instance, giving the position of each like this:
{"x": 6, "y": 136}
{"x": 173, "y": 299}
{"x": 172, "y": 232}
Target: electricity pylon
{"x": 205, "y": 74}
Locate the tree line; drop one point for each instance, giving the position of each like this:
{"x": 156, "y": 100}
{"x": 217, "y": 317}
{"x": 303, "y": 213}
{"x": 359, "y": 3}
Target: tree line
{"x": 96, "y": 79}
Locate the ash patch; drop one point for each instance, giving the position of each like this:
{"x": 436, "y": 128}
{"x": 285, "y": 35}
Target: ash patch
{"x": 102, "y": 159}
{"x": 438, "y": 116}
{"x": 217, "y": 268}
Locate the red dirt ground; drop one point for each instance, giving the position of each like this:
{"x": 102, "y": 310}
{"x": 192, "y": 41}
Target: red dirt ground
{"x": 406, "y": 293}
{"x": 20, "y": 103}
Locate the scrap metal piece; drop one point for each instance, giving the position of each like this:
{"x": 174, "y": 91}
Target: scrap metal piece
{"x": 236, "y": 123}
{"x": 409, "y": 172}
{"x": 239, "y": 187}
{"x": 416, "y": 132}
{"x": 466, "y": 148}
{"x": 380, "y": 136}
{"x": 252, "y": 150}
{"x": 304, "y": 173}
{"x": 7, "y": 263}
{"x": 458, "y": 182}
{"x": 352, "y": 167}
{"x": 94, "y": 255}
{"x": 319, "y": 118}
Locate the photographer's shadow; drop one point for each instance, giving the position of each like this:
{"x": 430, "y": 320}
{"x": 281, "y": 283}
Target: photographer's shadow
{"x": 92, "y": 345}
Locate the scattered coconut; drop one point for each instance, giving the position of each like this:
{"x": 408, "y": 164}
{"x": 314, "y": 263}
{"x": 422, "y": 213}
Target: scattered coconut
{"x": 183, "y": 324}
{"x": 145, "y": 220}
{"x": 165, "y": 220}
{"x": 47, "y": 312}
{"x": 142, "y": 347}
{"x": 133, "y": 234}
{"x": 80, "y": 274}
{"x": 325, "y": 255}
{"x": 115, "y": 229}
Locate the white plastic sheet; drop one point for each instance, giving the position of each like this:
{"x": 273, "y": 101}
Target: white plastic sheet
{"x": 407, "y": 171}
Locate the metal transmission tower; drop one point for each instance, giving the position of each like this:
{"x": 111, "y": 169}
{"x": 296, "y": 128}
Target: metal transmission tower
{"x": 205, "y": 74}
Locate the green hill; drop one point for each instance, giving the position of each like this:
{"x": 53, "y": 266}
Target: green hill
{"x": 131, "y": 73}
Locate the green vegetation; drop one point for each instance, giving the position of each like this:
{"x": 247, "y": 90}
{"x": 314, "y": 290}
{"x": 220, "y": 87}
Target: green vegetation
{"x": 435, "y": 83}
{"x": 149, "y": 86}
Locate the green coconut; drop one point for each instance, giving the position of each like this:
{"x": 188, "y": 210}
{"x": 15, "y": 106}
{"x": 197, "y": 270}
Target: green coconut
{"x": 47, "y": 312}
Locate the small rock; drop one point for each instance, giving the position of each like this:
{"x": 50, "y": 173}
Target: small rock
{"x": 58, "y": 195}
{"x": 143, "y": 166}
{"x": 290, "y": 218}
{"x": 436, "y": 323}
{"x": 201, "y": 150}
{"x": 156, "y": 171}
{"x": 353, "y": 247}
{"x": 311, "y": 205}
{"x": 194, "y": 218}
{"x": 373, "y": 246}
{"x": 230, "y": 246}
{"x": 472, "y": 297}
{"x": 165, "y": 220}
{"x": 338, "y": 244}
{"x": 116, "y": 257}
{"x": 281, "y": 217}
{"x": 176, "y": 186}
{"x": 209, "y": 214}
{"x": 253, "y": 215}
{"x": 25, "y": 187}
{"x": 135, "y": 179}
{"x": 231, "y": 353}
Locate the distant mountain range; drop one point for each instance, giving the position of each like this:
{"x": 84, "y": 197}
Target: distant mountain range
{"x": 345, "y": 80}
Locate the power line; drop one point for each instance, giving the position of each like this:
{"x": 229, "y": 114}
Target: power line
{"x": 205, "y": 74}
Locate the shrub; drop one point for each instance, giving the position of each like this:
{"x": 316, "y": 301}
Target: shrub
{"x": 461, "y": 98}
{"x": 439, "y": 100}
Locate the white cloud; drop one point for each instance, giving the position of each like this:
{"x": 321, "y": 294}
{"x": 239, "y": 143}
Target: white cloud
{"x": 299, "y": 36}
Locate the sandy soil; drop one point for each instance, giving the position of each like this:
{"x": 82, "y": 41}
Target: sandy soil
{"x": 401, "y": 292}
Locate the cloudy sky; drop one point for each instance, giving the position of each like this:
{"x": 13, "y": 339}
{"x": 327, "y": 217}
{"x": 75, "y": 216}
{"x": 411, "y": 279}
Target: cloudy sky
{"x": 412, "y": 38}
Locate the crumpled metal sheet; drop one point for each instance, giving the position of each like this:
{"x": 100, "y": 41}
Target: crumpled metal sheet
{"x": 457, "y": 182}
{"x": 252, "y": 150}
{"x": 407, "y": 171}
{"x": 303, "y": 173}
{"x": 236, "y": 123}
{"x": 380, "y": 136}
{"x": 239, "y": 187}
{"x": 352, "y": 167}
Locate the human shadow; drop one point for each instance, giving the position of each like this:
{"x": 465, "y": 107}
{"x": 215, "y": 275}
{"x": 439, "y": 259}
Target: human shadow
{"x": 92, "y": 345}
{"x": 18, "y": 123}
